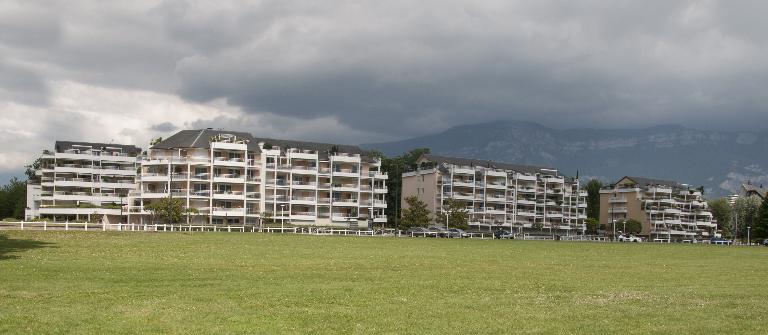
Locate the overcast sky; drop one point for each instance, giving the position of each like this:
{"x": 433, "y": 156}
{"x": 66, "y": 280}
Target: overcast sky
{"x": 356, "y": 71}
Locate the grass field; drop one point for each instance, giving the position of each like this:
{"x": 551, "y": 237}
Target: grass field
{"x": 109, "y": 283}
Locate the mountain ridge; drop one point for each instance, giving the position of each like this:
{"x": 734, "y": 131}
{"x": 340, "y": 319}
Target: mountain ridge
{"x": 718, "y": 160}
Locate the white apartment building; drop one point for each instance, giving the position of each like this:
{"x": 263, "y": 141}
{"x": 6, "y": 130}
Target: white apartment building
{"x": 83, "y": 181}
{"x": 666, "y": 209}
{"x": 234, "y": 178}
{"x": 499, "y": 194}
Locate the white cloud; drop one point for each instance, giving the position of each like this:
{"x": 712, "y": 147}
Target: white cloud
{"x": 83, "y": 112}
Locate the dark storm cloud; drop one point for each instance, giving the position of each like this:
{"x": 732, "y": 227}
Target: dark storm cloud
{"x": 402, "y": 68}
{"x": 164, "y": 127}
{"x": 21, "y": 84}
{"x": 606, "y": 64}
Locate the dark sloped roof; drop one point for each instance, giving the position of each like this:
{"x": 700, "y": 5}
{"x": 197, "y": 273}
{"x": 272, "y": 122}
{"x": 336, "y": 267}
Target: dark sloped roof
{"x": 200, "y": 138}
{"x": 314, "y": 146}
{"x": 643, "y": 181}
{"x": 61, "y": 146}
{"x": 484, "y": 163}
{"x": 750, "y": 189}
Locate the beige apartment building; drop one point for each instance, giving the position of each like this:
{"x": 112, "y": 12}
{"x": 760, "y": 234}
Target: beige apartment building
{"x": 83, "y": 181}
{"x": 234, "y": 178}
{"x": 499, "y": 194}
{"x": 667, "y": 210}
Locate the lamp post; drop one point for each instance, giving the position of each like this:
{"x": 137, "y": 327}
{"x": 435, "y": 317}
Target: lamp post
{"x": 749, "y": 242}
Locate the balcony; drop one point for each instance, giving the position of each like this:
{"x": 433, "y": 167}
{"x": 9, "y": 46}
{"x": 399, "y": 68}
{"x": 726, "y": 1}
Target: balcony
{"x": 277, "y": 198}
{"x": 226, "y": 161}
{"x": 345, "y": 202}
{"x": 300, "y": 184}
{"x": 303, "y": 216}
{"x": 463, "y": 183}
{"x": 617, "y": 199}
{"x": 381, "y": 190}
{"x": 346, "y": 187}
{"x": 302, "y": 169}
{"x": 342, "y": 157}
{"x": 228, "y": 178}
{"x": 235, "y": 195}
{"x": 253, "y": 195}
{"x": 276, "y": 182}
{"x": 463, "y": 170}
{"x": 553, "y": 180}
{"x": 524, "y": 201}
{"x": 222, "y": 211}
{"x": 461, "y": 196}
{"x": 299, "y": 200}
{"x": 496, "y": 199}
{"x": 520, "y": 176}
{"x": 496, "y": 185}
{"x": 345, "y": 172}
{"x": 526, "y": 190}
{"x": 200, "y": 193}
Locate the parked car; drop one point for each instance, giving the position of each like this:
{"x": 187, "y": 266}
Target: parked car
{"x": 418, "y": 231}
{"x": 629, "y": 238}
{"x": 502, "y": 233}
{"x": 439, "y": 231}
{"x": 765, "y": 242}
{"x": 457, "y": 233}
{"x": 720, "y": 240}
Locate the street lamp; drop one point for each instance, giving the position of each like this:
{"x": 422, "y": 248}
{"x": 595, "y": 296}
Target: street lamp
{"x": 749, "y": 242}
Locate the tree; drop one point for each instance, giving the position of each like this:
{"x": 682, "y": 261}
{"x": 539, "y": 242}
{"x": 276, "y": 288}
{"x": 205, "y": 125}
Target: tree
{"x": 761, "y": 221}
{"x": 155, "y": 140}
{"x": 628, "y": 226}
{"x": 31, "y": 171}
{"x": 167, "y": 209}
{"x": 632, "y": 226}
{"x": 266, "y": 218}
{"x": 416, "y": 215}
{"x": 13, "y": 199}
{"x": 395, "y": 167}
{"x": 745, "y": 211}
{"x": 537, "y": 225}
{"x": 593, "y": 198}
{"x": 458, "y": 216}
{"x": 722, "y": 212}
{"x": 592, "y": 225}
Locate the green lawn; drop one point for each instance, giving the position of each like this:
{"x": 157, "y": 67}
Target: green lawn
{"x": 109, "y": 283}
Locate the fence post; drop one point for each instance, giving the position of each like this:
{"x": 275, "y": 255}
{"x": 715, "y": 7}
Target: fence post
{"x": 45, "y": 225}
{"x": 22, "y": 225}
{"x": 86, "y": 226}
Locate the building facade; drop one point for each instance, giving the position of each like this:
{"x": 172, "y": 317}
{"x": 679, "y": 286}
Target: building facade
{"x": 80, "y": 181}
{"x": 499, "y": 194}
{"x": 666, "y": 209}
{"x": 234, "y": 178}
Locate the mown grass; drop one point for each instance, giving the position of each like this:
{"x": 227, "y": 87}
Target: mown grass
{"x": 181, "y": 283}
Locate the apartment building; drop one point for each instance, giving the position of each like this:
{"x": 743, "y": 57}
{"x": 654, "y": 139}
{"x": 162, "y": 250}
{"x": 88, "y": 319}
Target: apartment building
{"x": 234, "y": 178}
{"x": 83, "y": 181}
{"x": 666, "y": 209}
{"x": 499, "y": 194}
